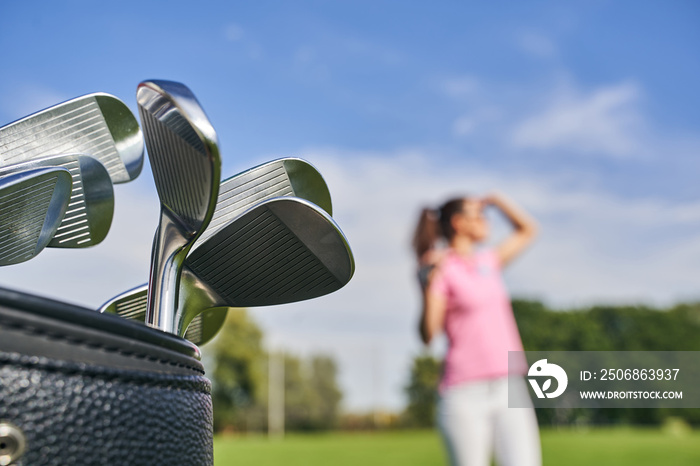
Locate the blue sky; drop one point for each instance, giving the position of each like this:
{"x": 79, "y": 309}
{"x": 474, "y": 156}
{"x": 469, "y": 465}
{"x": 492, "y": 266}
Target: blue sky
{"x": 586, "y": 113}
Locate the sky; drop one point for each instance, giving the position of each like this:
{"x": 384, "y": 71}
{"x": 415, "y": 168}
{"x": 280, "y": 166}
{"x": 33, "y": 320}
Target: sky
{"x": 586, "y": 114}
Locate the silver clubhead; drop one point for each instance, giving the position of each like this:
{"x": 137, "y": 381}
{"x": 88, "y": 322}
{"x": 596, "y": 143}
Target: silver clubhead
{"x": 132, "y": 305}
{"x": 98, "y": 124}
{"x": 91, "y": 208}
{"x": 32, "y": 205}
{"x": 183, "y": 150}
{"x": 283, "y": 250}
{"x": 282, "y": 177}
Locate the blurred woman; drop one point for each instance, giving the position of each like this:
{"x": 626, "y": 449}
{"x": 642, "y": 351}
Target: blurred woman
{"x": 464, "y": 296}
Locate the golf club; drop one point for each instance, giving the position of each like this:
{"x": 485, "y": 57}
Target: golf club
{"x": 183, "y": 150}
{"x": 91, "y": 206}
{"x": 282, "y": 250}
{"x": 287, "y": 176}
{"x": 131, "y": 304}
{"x": 32, "y": 205}
{"x": 97, "y": 124}
{"x": 282, "y": 177}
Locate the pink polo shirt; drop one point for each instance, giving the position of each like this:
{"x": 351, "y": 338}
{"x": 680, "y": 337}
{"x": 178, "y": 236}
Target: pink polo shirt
{"x": 479, "y": 320}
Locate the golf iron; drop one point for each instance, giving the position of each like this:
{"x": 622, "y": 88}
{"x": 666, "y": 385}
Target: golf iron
{"x": 282, "y": 177}
{"x": 183, "y": 150}
{"x": 282, "y": 250}
{"x": 131, "y": 304}
{"x": 32, "y": 205}
{"x": 288, "y": 176}
{"x": 97, "y": 124}
{"x": 91, "y": 207}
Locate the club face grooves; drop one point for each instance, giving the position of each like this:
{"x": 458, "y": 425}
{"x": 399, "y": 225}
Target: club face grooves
{"x": 259, "y": 260}
{"x": 184, "y": 154}
{"x": 91, "y": 207}
{"x": 181, "y": 184}
{"x": 134, "y": 307}
{"x": 282, "y": 177}
{"x": 32, "y": 204}
{"x": 238, "y": 193}
{"x": 97, "y": 124}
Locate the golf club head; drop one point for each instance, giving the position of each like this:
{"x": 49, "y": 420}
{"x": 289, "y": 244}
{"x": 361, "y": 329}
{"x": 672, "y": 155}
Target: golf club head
{"x": 282, "y": 177}
{"x": 91, "y": 208}
{"x": 98, "y": 124}
{"x": 32, "y": 205}
{"x": 132, "y": 305}
{"x": 183, "y": 151}
{"x": 281, "y": 251}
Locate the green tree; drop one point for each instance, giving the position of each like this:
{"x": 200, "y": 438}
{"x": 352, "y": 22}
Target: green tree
{"x": 610, "y": 328}
{"x": 296, "y": 395}
{"x": 312, "y": 397}
{"x": 240, "y": 370}
{"x": 238, "y": 376}
{"x": 422, "y": 391}
{"x": 325, "y": 393}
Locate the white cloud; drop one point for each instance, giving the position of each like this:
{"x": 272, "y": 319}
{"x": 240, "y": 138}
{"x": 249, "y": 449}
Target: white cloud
{"x": 605, "y": 122}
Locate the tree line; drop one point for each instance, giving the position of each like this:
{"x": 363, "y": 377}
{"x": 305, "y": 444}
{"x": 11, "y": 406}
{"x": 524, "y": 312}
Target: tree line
{"x": 597, "y": 328}
{"x": 240, "y": 382}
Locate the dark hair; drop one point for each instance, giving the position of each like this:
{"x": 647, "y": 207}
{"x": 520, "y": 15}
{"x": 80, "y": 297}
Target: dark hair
{"x": 434, "y": 224}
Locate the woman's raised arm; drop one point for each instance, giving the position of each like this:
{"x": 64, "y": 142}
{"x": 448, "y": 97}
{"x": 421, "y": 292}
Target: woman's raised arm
{"x": 524, "y": 226}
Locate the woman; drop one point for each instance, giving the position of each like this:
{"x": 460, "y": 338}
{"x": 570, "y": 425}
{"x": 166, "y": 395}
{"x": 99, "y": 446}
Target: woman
{"x": 464, "y": 296}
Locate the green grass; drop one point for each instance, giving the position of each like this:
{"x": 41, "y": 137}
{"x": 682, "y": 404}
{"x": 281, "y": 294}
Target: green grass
{"x": 337, "y": 449}
{"x": 639, "y": 447}
{"x": 618, "y": 447}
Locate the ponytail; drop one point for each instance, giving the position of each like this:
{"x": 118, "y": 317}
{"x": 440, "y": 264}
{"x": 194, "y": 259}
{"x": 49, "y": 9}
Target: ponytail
{"x": 436, "y": 224}
{"x": 427, "y": 232}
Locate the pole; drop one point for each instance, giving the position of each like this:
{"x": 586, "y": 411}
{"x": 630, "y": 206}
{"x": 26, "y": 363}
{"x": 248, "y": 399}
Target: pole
{"x": 275, "y": 403}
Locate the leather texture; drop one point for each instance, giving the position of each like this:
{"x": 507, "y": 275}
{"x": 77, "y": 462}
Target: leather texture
{"x": 90, "y": 388}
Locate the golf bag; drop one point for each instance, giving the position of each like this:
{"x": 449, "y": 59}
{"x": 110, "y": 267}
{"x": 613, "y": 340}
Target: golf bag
{"x": 80, "y": 387}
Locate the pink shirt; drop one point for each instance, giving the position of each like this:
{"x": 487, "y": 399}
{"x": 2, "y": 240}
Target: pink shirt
{"x": 479, "y": 319}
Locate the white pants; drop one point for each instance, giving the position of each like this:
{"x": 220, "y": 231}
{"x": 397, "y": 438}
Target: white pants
{"x": 476, "y": 422}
